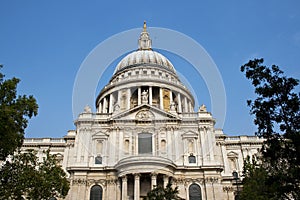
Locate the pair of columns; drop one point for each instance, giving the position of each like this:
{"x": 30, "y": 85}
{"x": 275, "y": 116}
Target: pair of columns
{"x": 137, "y": 185}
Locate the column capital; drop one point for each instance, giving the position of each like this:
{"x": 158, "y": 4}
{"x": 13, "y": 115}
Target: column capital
{"x": 154, "y": 174}
{"x": 124, "y": 178}
{"x": 136, "y": 175}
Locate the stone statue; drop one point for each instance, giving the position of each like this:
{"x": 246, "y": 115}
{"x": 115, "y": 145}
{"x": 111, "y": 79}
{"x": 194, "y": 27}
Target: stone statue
{"x": 145, "y": 96}
{"x": 202, "y": 108}
{"x": 172, "y": 106}
{"x": 116, "y": 107}
{"x": 87, "y": 109}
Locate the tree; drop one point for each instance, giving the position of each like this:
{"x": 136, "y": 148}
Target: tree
{"x": 21, "y": 174}
{"x": 14, "y": 113}
{"x": 161, "y": 193}
{"x": 277, "y": 117}
{"x": 254, "y": 183}
{"x": 25, "y": 177}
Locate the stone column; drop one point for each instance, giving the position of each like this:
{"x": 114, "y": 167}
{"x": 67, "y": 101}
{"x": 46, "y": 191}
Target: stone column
{"x": 100, "y": 107}
{"x": 118, "y": 187}
{"x": 179, "y": 108}
{"x": 139, "y": 96}
{"x": 124, "y": 187}
{"x": 185, "y": 105}
{"x": 128, "y": 98}
{"x": 104, "y": 105}
{"x": 150, "y": 95}
{"x": 166, "y": 181}
{"x": 161, "y": 102}
{"x": 110, "y": 110}
{"x": 210, "y": 144}
{"x": 153, "y": 180}
{"x": 119, "y": 98}
{"x": 190, "y": 107}
{"x": 136, "y": 186}
{"x": 171, "y": 96}
{"x": 205, "y": 149}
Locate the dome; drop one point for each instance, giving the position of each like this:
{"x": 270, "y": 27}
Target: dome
{"x": 145, "y": 57}
{"x": 144, "y": 76}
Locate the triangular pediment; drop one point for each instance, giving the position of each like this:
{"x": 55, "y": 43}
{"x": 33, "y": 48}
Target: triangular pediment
{"x": 189, "y": 134}
{"x": 100, "y": 135}
{"x": 145, "y": 112}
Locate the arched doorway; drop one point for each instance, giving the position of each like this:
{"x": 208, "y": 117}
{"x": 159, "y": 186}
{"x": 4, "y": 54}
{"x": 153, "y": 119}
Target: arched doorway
{"x": 96, "y": 192}
{"x": 195, "y": 192}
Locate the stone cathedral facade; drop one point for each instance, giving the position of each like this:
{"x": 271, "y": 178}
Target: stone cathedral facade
{"x": 146, "y": 133}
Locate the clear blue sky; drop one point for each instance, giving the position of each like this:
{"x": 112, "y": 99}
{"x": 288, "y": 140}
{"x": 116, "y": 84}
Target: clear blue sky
{"x": 44, "y": 43}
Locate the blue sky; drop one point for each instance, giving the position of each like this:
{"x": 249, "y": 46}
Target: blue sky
{"x": 44, "y": 43}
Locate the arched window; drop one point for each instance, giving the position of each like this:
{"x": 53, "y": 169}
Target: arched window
{"x": 163, "y": 145}
{"x": 126, "y": 146}
{"x": 195, "y": 192}
{"x": 96, "y": 192}
{"x": 192, "y": 158}
{"x": 145, "y": 143}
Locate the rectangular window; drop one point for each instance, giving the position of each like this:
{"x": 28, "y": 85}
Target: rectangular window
{"x": 145, "y": 143}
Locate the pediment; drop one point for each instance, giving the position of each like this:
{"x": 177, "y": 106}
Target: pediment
{"x": 189, "y": 134}
{"x": 232, "y": 154}
{"x": 100, "y": 135}
{"x": 144, "y": 112}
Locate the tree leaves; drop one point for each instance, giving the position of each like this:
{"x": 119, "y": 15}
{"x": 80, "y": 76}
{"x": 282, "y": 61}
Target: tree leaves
{"x": 24, "y": 176}
{"x": 161, "y": 193}
{"x": 14, "y": 113}
{"x": 277, "y": 116}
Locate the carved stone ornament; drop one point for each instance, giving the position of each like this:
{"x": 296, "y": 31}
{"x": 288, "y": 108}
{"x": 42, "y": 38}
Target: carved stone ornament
{"x": 144, "y": 115}
{"x": 145, "y": 97}
{"x": 87, "y": 109}
{"x": 116, "y": 108}
{"x": 202, "y": 108}
{"x": 79, "y": 182}
{"x": 227, "y": 189}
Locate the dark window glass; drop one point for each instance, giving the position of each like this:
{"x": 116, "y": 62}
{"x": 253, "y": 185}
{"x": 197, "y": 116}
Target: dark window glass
{"x": 145, "y": 143}
{"x": 96, "y": 193}
{"x": 195, "y": 192}
{"x": 192, "y": 159}
{"x": 98, "y": 160}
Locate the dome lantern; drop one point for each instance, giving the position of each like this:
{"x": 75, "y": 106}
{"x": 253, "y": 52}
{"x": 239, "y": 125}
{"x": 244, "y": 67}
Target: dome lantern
{"x": 145, "y": 40}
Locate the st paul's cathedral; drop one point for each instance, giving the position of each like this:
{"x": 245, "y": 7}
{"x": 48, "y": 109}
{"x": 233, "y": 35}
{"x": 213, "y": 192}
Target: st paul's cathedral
{"x": 146, "y": 133}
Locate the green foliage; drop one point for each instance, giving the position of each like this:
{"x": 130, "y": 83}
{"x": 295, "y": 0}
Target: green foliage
{"x": 24, "y": 176}
{"x": 161, "y": 193}
{"x": 277, "y": 116}
{"x": 254, "y": 183}
{"x": 14, "y": 113}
